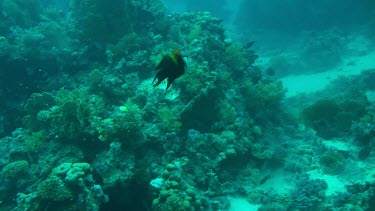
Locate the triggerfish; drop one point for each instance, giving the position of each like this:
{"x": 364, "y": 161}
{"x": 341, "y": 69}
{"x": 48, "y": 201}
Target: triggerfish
{"x": 170, "y": 67}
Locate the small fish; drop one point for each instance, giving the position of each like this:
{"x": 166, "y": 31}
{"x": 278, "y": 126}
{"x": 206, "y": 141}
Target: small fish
{"x": 270, "y": 71}
{"x": 265, "y": 179}
{"x": 170, "y": 67}
{"x": 249, "y": 44}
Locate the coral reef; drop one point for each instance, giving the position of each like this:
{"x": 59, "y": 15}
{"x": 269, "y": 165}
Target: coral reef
{"x": 84, "y": 129}
{"x": 69, "y": 187}
{"x": 15, "y": 169}
{"x": 115, "y": 109}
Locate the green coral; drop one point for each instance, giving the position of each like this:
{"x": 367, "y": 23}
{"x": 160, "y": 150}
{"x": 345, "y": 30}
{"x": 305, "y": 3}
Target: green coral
{"x": 15, "y": 170}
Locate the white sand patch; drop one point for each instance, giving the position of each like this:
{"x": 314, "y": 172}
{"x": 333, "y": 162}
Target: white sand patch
{"x": 370, "y": 176}
{"x": 334, "y": 185}
{"x": 240, "y": 204}
{"x": 338, "y": 145}
{"x": 367, "y": 168}
{"x": 280, "y": 182}
{"x": 354, "y": 65}
{"x": 371, "y": 96}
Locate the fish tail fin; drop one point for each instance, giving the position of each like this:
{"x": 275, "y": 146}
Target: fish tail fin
{"x": 152, "y": 83}
{"x": 169, "y": 82}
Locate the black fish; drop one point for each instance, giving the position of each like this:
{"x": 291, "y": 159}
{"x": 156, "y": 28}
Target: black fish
{"x": 170, "y": 67}
{"x": 265, "y": 179}
{"x": 249, "y": 44}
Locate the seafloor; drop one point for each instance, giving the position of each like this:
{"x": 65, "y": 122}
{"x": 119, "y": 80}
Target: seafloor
{"x": 83, "y": 128}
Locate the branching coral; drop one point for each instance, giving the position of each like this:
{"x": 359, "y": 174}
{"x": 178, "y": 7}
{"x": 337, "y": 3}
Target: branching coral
{"x": 308, "y": 193}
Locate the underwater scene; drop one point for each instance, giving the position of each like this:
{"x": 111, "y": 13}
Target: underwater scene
{"x": 187, "y": 105}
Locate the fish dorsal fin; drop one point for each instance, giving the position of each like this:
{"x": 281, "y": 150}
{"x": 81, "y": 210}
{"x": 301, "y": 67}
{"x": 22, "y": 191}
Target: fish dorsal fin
{"x": 174, "y": 58}
{"x": 175, "y": 54}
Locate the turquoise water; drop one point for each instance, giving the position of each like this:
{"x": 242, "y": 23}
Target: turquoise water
{"x": 270, "y": 105}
